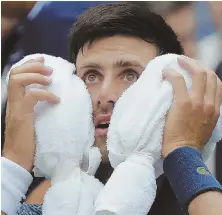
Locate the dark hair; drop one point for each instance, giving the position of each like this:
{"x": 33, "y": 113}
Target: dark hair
{"x": 127, "y": 19}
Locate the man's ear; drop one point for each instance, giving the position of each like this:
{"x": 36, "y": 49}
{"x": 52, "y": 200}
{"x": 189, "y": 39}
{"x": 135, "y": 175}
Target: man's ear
{"x": 37, "y": 195}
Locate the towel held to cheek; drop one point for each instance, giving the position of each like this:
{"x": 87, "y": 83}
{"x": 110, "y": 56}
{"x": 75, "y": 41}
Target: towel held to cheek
{"x": 135, "y": 141}
{"x": 64, "y": 142}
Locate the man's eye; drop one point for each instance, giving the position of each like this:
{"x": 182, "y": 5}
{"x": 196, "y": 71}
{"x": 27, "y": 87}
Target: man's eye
{"x": 131, "y": 76}
{"x": 91, "y": 77}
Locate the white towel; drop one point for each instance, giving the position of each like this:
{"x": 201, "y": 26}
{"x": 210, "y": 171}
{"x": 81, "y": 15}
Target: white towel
{"x": 135, "y": 141}
{"x": 64, "y": 142}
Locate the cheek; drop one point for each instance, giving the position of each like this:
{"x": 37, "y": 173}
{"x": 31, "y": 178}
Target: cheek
{"x": 122, "y": 86}
{"x": 93, "y": 92}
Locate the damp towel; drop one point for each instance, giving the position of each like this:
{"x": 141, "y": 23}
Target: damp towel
{"x": 64, "y": 142}
{"x": 135, "y": 141}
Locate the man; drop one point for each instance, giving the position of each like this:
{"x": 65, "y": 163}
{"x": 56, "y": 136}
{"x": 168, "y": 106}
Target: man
{"x": 111, "y": 45}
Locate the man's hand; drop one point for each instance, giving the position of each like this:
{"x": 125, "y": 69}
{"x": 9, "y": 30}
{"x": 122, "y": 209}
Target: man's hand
{"x": 19, "y": 134}
{"x": 193, "y": 115}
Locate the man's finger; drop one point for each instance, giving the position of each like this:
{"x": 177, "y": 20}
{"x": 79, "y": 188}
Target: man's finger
{"x": 178, "y": 83}
{"x": 39, "y": 59}
{"x": 29, "y": 78}
{"x": 199, "y": 77}
{"x": 218, "y": 99}
{"x": 34, "y": 95}
{"x": 18, "y": 83}
{"x": 32, "y": 67}
{"x": 210, "y": 93}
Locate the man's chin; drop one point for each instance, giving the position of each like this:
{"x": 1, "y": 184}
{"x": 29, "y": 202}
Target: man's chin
{"x": 100, "y": 142}
{"x": 104, "y": 154}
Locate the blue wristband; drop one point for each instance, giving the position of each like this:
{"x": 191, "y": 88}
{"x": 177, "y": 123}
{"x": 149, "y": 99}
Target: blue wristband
{"x": 188, "y": 175}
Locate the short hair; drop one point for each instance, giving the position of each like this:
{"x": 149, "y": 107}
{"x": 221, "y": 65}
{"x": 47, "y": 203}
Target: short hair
{"x": 125, "y": 19}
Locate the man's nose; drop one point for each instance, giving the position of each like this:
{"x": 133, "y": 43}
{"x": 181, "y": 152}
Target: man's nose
{"x": 107, "y": 97}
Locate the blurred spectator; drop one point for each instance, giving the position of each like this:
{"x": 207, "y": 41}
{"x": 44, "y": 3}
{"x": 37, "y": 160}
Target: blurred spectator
{"x": 210, "y": 46}
{"x": 184, "y": 19}
{"x": 181, "y": 17}
{"x": 46, "y": 28}
{"x": 205, "y": 25}
{"x": 12, "y": 13}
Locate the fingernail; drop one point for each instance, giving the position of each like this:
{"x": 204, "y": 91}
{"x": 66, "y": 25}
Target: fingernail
{"x": 49, "y": 70}
{"x": 49, "y": 80}
{"x": 55, "y": 100}
{"x": 58, "y": 99}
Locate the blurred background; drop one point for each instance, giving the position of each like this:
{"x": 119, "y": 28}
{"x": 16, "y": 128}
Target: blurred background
{"x": 43, "y": 27}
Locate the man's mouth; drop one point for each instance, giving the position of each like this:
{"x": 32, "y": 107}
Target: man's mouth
{"x": 102, "y": 124}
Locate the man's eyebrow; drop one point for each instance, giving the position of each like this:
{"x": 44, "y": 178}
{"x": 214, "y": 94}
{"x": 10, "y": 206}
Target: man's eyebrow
{"x": 127, "y": 63}
{"x": 117, "y": 64}
{"x": 92, "y": 66}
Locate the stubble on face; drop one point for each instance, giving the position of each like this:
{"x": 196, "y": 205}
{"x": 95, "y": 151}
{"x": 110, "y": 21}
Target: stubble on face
{"x": 100, "y": 142}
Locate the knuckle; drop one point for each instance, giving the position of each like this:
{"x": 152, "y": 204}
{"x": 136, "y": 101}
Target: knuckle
{"x": 202, "y": 73}
{"x": 197, "y": 104}
{"x": 209, "y": 109}
{"x": 185, "y": 103}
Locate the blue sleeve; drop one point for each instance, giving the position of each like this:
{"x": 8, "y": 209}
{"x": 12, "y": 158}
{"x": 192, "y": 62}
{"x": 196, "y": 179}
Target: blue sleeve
{"x": 188, "y": 175}
{"x": 30, "y": 209}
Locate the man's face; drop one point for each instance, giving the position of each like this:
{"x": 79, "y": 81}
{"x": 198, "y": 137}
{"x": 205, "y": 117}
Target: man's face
{"x": 108, "y": 67}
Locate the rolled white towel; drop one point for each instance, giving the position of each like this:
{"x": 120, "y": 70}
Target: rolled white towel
{"x": 64, "y": 142}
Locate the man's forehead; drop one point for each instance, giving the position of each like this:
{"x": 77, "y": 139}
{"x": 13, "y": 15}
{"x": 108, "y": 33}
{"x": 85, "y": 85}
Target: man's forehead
{"x": 126, "y": 48}
{"x": 123, "y": 62}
